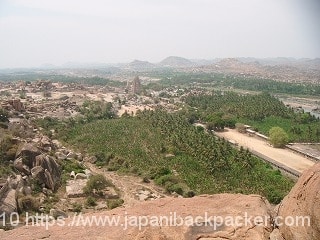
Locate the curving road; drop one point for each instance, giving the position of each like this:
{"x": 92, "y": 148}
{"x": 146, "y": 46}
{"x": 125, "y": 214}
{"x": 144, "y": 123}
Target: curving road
{"x": 284, "y": 156}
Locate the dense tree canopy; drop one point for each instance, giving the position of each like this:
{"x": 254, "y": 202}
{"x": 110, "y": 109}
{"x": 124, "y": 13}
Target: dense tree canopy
{"x": 254, "y": 107}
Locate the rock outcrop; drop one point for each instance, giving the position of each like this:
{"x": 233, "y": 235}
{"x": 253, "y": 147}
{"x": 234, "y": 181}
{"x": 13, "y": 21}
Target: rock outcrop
{"x": 8, "y": 204}
{"x": 303, "y": 200}
{"x": 46, "y": 144}
{"x": 49, "y": 174}
{"x": 27, "y": 153}
{"x": 31, "y": 162}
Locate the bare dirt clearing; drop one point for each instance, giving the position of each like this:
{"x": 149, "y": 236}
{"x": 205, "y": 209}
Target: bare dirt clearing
{"x": 133, "y": 109}
{"x": 284, "y": 156}
{"x": 132, "y": 189}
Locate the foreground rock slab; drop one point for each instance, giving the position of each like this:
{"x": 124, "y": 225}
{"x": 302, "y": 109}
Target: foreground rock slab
{"x": 166, "y": 218}
{"x": 303, "y": 200}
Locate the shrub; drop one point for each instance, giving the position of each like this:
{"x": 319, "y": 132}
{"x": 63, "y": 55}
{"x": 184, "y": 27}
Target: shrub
{"x": 11, "y": 153}
{"x": 160, "y": 172}
{"x": 275, "y": 196}
{"x": 7, "y": 149}
{"x": 103, "y": 158}
{"x": 26, "y": 203}
{"x": 172, "y": 184}
{"x": 96, "y": 184}
{"x": 178, "y": 188}
{"x": 91, "y": 201}
{"x": 76, "y": 207}
{"x": 116, "y": 163}
{"x": 163, "y": 180}
{"x": 72, "y": 165}
{"x": 36, "y": 186}
{"x": 113, "y": 203}
{"x": 49, "y": 202}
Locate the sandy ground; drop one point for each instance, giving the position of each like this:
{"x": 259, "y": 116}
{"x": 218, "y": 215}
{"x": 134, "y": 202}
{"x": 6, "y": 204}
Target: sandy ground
{"x": 284, "y": 156}
{"x": 56, "y": 95}
{"x": 132, "y": 108}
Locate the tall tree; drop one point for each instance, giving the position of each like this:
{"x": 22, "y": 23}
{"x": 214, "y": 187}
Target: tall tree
{"x": 278, "y": 137}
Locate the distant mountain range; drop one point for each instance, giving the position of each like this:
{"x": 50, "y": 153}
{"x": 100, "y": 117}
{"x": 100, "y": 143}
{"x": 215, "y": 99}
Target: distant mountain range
{"x": 180, "y": 62}
{"x": 281, "y": 69}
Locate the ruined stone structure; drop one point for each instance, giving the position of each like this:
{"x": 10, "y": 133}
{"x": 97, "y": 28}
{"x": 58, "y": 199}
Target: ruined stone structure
{"x": 134, "y": 86}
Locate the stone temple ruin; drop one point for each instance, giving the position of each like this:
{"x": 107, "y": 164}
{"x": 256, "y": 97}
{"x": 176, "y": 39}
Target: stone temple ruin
{"x": 134, "y": 86}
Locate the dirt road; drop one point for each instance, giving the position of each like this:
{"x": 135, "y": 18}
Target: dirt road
{"x": 284, "y": 156}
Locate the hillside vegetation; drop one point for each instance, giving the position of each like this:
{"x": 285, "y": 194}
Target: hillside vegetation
{"x": 184, "y": 159}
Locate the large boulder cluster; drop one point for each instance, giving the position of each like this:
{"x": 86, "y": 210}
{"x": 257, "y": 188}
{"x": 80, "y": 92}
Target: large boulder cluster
{"x": 32, "y": 162}
{"x": 37, "y": 170}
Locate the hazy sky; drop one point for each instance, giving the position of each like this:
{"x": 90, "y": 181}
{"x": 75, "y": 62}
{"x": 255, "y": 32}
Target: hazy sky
{"x": 35, "y": 32}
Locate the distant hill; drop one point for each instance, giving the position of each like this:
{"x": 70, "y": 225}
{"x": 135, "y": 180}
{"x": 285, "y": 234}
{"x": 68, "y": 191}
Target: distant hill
{"x": 140, "y": 65}
{"x": 174, "y": 61}
{"x": 83, "y": 65}
{"x": 234, "y": 64}
{"x": 271, "y": 61}
{"x": 204, "y": 62}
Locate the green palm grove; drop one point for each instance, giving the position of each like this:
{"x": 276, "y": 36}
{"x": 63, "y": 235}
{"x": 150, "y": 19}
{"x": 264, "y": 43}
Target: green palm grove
{"x": 179, "y": 156}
